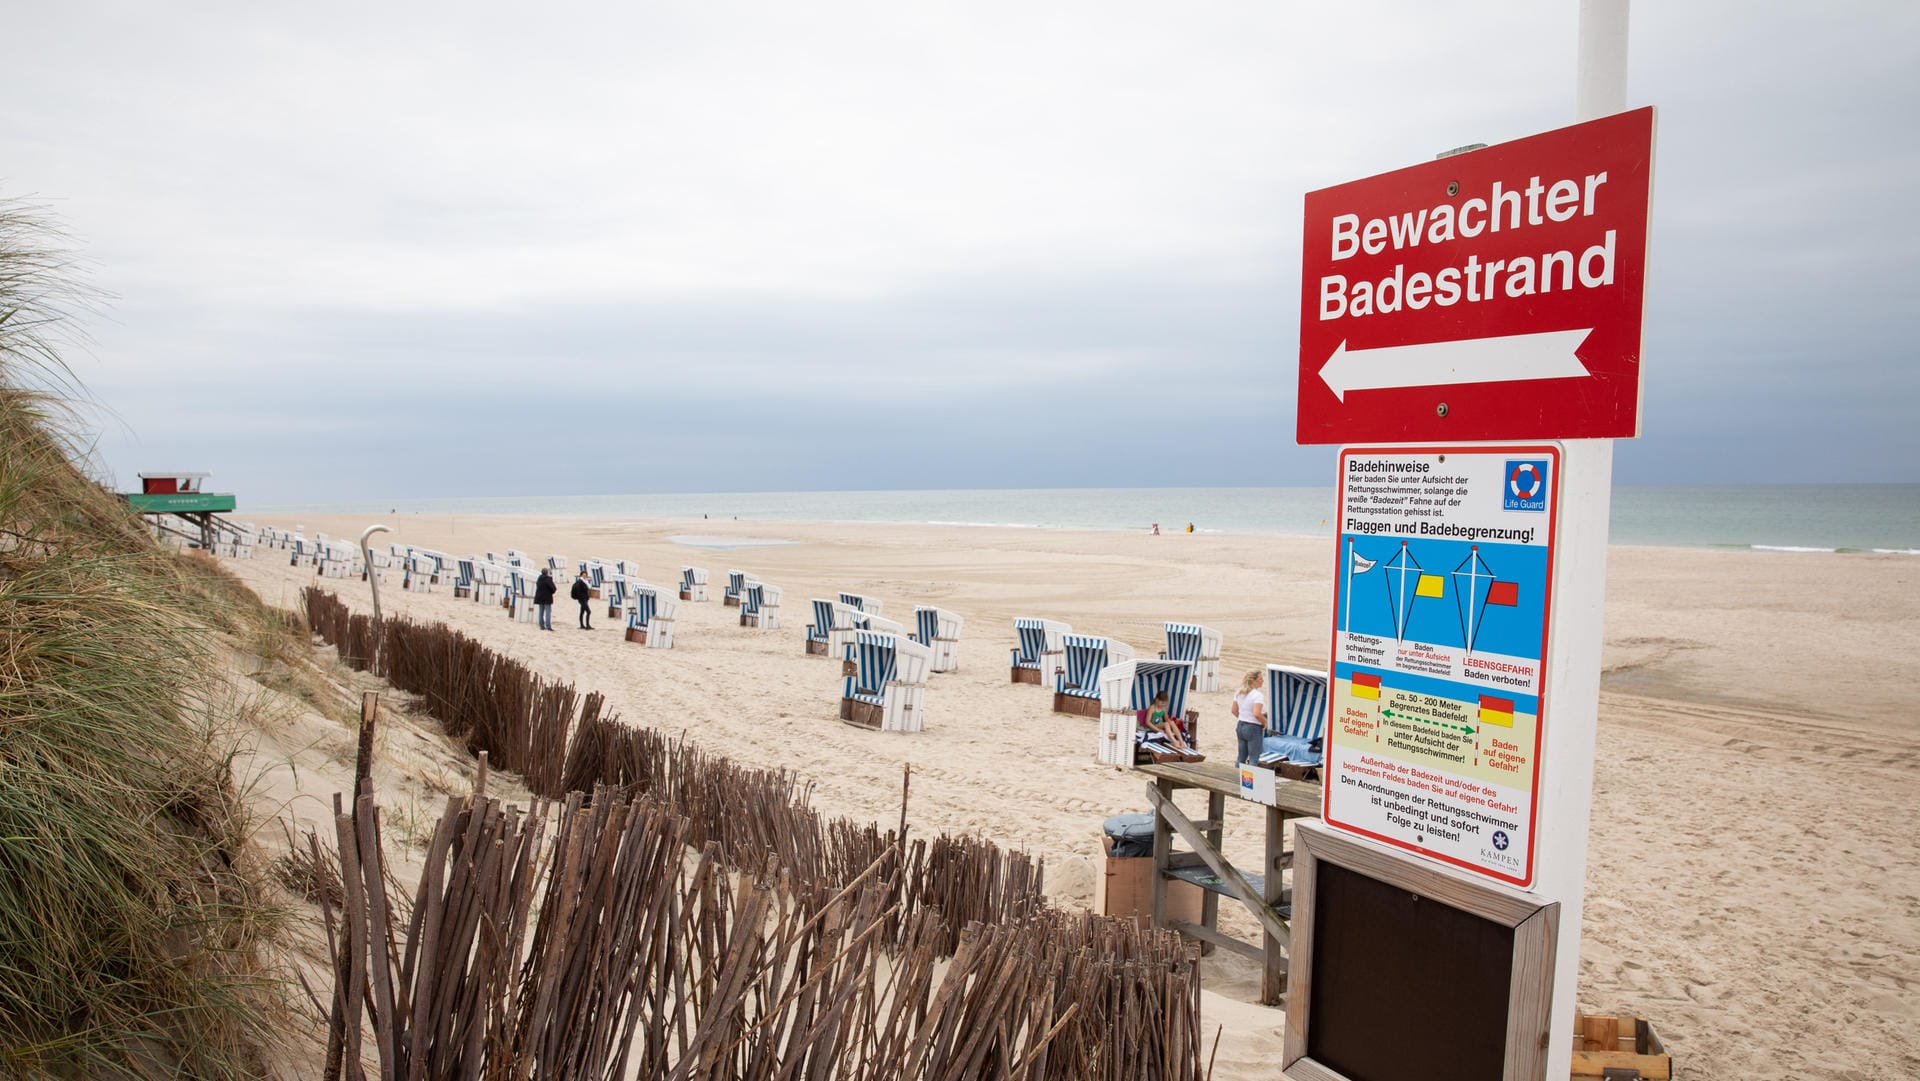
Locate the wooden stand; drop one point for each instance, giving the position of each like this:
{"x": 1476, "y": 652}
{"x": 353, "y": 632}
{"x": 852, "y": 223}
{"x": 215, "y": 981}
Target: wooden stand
{"x": 816, "y": 649}
{"x": 637, "y": 634}
{"x": 730, "y": 602}
{"x": 1077, "y": 705}
{"x": 1026, "y": 675}
{"x": 1264, "y": 895}
{"x": 860, "y": 714}
{"x": 686, "y": 594}
{"x": 1628, "y": 1045}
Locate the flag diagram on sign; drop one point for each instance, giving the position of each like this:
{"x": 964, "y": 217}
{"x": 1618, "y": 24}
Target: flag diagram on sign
{"x": 1439, "y": 650}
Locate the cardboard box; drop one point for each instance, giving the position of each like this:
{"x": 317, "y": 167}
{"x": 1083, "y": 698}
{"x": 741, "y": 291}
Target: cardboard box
{"x": 1124, "y": 887}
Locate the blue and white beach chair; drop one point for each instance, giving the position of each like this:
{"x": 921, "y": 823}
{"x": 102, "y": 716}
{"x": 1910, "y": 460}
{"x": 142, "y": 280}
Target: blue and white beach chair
{"x": 760, "y": 605}
{"x": 1036, "y": 659}
{"x": 556, "y": 565}
{"x": 1296, "y": 715}
{"x": 735, "y": 590}
{"x": 888, "y": 685}
{"x": 830, "y": 620}
{"x": 1127, "y": 691}
{"x": 650, "y": 616}
{"x": 1198, "y": 646}
{"x": 520, "y": 583}
{"x": 869, "y": 605}
{"x": 420, "y": 572}
{"x": 489, "y": 582}
{"x": 1076, "y": 689}
{"x": 693, "y": 583}
{"x": 939, "y": 630}
{"x": 614, "y": 587}
{"x": 463, "y": 577}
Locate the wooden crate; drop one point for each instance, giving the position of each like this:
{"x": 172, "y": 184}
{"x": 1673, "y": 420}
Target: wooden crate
{"x": 1618, "y": 1049}
{"x": 637, "y": 635}
{"x": 816, "y": 649}
{"x": 1026, "y": 675}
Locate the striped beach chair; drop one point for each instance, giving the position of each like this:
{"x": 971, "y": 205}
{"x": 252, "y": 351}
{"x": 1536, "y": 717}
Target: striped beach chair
{"x": 1296, "y": 715}
{"x": 939, "y": 630}
{"x": 463, "y": 577}
{"x": 760, "y": 605}
{"x": 520, "y": 584}
{"x": 869, "y": 605}
{"x": 693, "y": 583}
{"x": 1076, "y": 689}
{"x": 420, "y": 572}
{"x": 615, "y": 588}
{"x": 650, "y": 616}
{"x": 830, "y": 619}
{"x": 1127, "y": 690}
{"x": 1198, "y": 646}
{"x": 735, "y": 589}
{"x": 888, "y": 685}
{"x": 556, "y": 565}
{"x": 1037, "y": 657}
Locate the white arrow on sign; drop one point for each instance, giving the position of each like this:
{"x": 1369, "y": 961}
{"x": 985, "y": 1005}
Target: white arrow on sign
{"x": 1548, "y": 355}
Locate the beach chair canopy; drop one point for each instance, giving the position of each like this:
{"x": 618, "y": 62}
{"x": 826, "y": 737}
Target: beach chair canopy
{"x": 859, "y": 602}
{"x": 1153, "y": 677}
{"x": 754, "y": 598}
{"x": 686, "y": 578}
{"x": 1033, "y": 639}
{"x": 736, "y": 582}
{"x": 874, "y": 654}
{"x": 926, "y": 624}
{"x": 641, "y": 608}
{"x": 1184, "y": 641}
{"x": 1296, "y": 702}
{"x": 1086, "y": 655}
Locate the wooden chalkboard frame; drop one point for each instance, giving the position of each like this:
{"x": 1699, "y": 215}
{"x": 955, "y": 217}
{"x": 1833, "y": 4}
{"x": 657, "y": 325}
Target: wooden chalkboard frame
{"x": 1534, "y": 922}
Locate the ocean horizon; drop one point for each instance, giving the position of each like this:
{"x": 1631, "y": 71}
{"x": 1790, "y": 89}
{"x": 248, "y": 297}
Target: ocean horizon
{"x": 1812, "y": 518}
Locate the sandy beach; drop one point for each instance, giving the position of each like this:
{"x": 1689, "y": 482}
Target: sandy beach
{"x": 1752, "y": 887}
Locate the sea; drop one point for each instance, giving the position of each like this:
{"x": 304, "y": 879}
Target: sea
{"x": 1808, "y": 518}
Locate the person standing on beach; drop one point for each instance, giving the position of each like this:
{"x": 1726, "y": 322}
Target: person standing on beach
{"x": 543, "y": 593}
{"x": 583, "y": 593}
{"x": 1250, "y": 718}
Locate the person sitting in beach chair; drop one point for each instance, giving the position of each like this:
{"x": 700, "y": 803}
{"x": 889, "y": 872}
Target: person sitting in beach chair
{"x": 1162, "y": 736}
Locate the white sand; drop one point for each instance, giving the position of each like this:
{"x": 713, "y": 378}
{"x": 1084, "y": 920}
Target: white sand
{"x": 1753, "y": 885}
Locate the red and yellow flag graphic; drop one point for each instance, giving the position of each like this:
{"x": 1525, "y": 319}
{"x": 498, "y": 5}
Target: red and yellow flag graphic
{"x": 1365, "y": 686}
{"x": 1496, "y": 711}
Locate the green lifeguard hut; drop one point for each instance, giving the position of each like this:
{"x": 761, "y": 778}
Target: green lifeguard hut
{"x": 180, "y": 495}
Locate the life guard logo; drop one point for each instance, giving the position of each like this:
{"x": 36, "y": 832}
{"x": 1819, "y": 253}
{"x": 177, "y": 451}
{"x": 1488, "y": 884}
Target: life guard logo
{"x": 1526, "y": 486}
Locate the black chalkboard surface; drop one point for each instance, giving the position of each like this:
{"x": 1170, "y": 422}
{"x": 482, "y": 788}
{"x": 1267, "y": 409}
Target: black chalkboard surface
{"x": 1404, "y": 970}
{"x": 1405, "y": 988}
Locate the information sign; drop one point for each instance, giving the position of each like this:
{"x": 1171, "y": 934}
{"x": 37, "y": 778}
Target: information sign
{"x": 1495, "y": 294}
{"x": 1441, "y": 598}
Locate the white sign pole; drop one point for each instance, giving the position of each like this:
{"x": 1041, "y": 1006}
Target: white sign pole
{"x": 1577, "y": 621}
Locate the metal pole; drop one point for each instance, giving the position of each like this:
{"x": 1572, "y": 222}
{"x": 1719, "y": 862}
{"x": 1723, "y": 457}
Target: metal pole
{"x": 366, "y": 554}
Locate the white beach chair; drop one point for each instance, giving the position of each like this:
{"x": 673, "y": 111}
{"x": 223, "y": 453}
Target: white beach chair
{"x": 650, "y": 617}
{"x": 420, "y": 573}
{"x": 735, "y": 589}
{"x": 1127, "y": 690}
{"x": 1076, "y": 690}
{"x": 939, "y": 630}
{"x": 869, "y": 605}
{"x": 693, "y": 583}
{"x": 760, "y": 605}
{"x": 520, "y": 585}
{"x": 888, "y": 686}
{"x": 1296, "y": 715}
{"x": 490, "y": 582}
{"x": 828, "y": 617}
{"x": 1037, "y": 658}
{"x": 1198, "y": 646}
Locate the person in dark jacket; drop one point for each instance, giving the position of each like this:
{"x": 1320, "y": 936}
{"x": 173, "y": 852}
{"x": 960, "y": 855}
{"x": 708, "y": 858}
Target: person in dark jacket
{"x": 543, "y": 593}
{"x": 583, "y": 594}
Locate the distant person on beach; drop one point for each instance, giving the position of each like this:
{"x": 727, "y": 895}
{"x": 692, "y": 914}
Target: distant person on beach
{"x": 583, "y": 593}
{"x": 1250, "y": 717}
{"x": 543, "y": 593}
{"x": 1156, "y": 529}
{"x": 1189, "y": 527}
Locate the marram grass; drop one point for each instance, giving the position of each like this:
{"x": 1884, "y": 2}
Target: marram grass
{"x": 129, "y": 923}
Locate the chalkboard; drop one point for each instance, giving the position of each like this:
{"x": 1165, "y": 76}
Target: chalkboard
{"x": 1436, "y": 976}
{"x": 1404, "y": 971}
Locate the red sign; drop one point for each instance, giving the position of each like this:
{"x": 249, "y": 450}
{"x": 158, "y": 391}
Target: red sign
{"x": 1494, "y": 294}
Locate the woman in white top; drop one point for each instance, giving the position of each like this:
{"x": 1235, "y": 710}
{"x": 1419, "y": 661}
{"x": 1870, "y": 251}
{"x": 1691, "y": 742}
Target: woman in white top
{"x": 1250, "y": 713}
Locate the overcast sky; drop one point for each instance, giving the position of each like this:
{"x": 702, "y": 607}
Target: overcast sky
{"x": 360, "y": 251}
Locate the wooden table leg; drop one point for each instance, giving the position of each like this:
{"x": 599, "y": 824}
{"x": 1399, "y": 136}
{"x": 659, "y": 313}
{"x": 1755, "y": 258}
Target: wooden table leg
{"x": 1210, "y": 902}
{"x": 1273, "y": 974}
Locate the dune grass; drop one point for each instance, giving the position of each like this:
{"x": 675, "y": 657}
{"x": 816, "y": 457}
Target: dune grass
{"x": 130, "y": 923}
